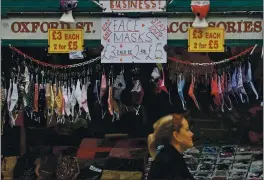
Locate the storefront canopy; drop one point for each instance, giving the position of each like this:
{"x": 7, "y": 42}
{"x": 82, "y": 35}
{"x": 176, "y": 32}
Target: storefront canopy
{"x": 17, "y": 22}
{"x": 11, "y": 6}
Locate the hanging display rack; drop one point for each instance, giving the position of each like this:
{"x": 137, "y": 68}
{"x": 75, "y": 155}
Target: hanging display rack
{"x": 213, "y": 63}
{"x": 252, "y": 48}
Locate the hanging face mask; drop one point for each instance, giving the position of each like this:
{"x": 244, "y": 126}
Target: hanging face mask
{"x": 14, "y": 97}
{"x": 2, "y": 97}
{"x": 220, "y": 92}
{"x": 78, "y": 94}
{"x": 73, "y": 101}
{"x": 162, "y": 86}
{"x": 51, "y": 102}
{"x": 155, "y": 73}
{"x": 156, "y": 79}
{"x": 58, "y": 102}
{"x": 118, "y": 86}
{"x": 42, "y": 98}
{"x": 240, "y": 88}
{"x": 137, "y": 93}
{"x": 36, "y": 96}
{"x": 230, "y": 90}
{"x": 103, "y": 87}
{"x": 48, "y": 95}
{"x": 96, "y": 90}
{"x": 215, "y": 90}
{"x": 249, "y": 80}
{"x": 9, "y": 95}
{"x": 26, "y": 80}
{"x": 227, "y": 87}
{"x": 85, "y": 102}
{"x": 67, "y": 101}
{"x": 110, "y": 99}
{"x": 180, "y": 85}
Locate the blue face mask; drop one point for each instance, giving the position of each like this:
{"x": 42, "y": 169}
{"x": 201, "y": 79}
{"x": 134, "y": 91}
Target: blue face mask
{"x": 240, "y": 88}
{"x": 249, "y": 80}
{"x": 180, "y": 84}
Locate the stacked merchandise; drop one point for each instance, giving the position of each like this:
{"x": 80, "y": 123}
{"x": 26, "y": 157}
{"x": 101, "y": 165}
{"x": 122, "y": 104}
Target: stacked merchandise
{"x": 225, "y": 163}
{"x": 115, "y": 159}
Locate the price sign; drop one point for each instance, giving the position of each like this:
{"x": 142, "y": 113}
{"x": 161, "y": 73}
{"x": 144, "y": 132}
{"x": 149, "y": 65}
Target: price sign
{"x": 134, "y": 40}
{"x": 206, "y": 39}
{"x": 65, "y": 40}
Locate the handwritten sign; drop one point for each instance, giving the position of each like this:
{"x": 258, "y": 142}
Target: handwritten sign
{"x": 133, "y": 5}
{"x": 65, "y": 40}
{"x": 206, "y": 39}
{"x": 127, "y": 40}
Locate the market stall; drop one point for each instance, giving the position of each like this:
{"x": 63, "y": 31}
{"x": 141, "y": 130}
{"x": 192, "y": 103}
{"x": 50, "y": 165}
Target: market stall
{"x": 104, "y": 69}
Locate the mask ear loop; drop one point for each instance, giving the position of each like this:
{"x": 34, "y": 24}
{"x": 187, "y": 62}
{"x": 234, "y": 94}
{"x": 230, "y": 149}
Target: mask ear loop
{"x": 137, "y": 109}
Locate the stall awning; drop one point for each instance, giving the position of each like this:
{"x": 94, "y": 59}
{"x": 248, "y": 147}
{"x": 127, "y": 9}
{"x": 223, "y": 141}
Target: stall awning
{"x": 219, "y": 5}
{"x": 12, "y": 6}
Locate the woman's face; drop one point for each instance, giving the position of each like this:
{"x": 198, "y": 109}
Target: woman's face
{"x": 184, "y": 137}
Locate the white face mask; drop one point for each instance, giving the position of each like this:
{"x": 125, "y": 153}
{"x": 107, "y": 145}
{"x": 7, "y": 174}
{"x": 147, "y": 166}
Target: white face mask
{"x": 9, "y": 94}
{"x": 118, "y": 86}
{"x": 14, "y": 97}
{"x": 137, "y": 86}
{"x": 73, "y": 101}
{"x": 68, "y": 102}
{"x": 155, "y": 73}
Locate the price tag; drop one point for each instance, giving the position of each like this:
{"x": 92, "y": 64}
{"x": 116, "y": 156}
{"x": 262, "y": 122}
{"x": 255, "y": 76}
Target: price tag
{"x": 206, "y": 39}
{"x": 65, "y": 40}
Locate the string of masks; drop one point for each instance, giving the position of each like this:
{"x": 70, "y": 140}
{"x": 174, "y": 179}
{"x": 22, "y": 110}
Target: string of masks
{"x": 63, "y": 97}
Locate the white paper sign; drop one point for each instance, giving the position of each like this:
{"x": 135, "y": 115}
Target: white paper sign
{"x": 128, "y": 40}
{"x": 133, "y": 5}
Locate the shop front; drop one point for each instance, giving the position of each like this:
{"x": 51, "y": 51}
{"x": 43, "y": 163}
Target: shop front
{"x": 119, "y": 72}
{"x": 240, "y": 30}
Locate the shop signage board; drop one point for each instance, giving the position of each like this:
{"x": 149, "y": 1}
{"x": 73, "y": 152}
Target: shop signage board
{"x": 36, "y": 28}
{"x": 65, "y": 40}
{"x": 133, "y": 5}
{"x": 138, "y": 40}
{"x": 206, "y": 39}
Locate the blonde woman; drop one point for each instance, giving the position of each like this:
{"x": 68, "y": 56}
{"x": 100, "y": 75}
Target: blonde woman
{"x": 173, "y": 133}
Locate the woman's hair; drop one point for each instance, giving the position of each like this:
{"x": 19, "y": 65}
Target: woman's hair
{"x": 163, "y": 130}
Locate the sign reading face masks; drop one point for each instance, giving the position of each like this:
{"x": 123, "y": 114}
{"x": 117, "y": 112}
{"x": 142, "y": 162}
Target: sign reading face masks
{"x": 206, "y": 39}
{"x": 65, "y": 40}
{"x": 133, "y": 5}
{"x": 127, "y": 40}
